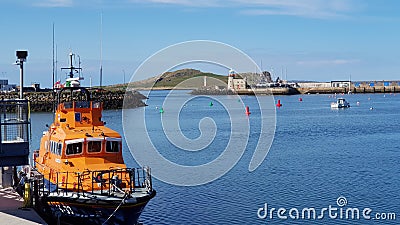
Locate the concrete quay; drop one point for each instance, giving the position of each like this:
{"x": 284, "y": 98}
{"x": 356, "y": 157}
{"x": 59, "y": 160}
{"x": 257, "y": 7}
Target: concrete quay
{"x": 12, "y": 212}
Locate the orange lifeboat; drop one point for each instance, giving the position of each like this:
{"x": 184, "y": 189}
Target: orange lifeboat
{"x": 80, "y": 167}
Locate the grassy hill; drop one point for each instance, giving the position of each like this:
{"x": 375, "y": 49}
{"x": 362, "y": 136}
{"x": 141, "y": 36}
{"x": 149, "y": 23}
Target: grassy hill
{"x": 184, "y": 78}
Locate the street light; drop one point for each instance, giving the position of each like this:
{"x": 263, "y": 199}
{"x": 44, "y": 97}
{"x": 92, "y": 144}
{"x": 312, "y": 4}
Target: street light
{"x": 21, "y": 58}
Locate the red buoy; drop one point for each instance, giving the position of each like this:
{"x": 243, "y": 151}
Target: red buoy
{"x": 300, "y": 99}
{"x": 247, "y": 111}
{"x": 279, "y": 103}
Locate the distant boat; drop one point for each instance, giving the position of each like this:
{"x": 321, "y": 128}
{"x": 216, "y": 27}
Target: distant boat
{"x": 340, "y": 103}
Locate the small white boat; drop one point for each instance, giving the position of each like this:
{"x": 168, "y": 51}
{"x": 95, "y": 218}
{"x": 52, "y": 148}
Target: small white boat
{"x": 340, "y": 103}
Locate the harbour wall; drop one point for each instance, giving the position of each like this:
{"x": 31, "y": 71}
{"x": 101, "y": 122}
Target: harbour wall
{"x": 355, "y": 90}
{"x": 45, "y": 101}
{"x": 295, "y": 91}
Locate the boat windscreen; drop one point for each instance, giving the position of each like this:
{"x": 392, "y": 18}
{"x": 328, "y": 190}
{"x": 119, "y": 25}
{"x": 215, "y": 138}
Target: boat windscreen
{"x": 94, "y": 146}
{"x": 74, "y": 148}
{"x": 82, "y": 104}
{"x": 112, "y": 146}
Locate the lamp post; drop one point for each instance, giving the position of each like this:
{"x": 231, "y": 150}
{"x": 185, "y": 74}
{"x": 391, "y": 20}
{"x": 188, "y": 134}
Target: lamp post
{"x": 21, "y": 58}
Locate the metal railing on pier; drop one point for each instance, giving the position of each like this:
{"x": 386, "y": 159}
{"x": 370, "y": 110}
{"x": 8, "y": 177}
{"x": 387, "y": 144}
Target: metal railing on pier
{"x": 14, "y": 132}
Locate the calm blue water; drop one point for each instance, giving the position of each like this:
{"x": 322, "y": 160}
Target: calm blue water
{"x": 318, "y": 154}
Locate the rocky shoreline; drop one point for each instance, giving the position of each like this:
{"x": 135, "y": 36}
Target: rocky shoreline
{"x": 44, "y": 101}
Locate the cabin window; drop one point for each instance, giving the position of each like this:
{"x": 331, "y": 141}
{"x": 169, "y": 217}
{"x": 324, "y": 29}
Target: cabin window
{"x": 74, "y": 148}
{"x": 83, "y": 104}
{"x": 52, "y": 147}
{"x": 94, "y": 146}
{"x": 55, "y": 147}
{"x": 59, "y": 148}
{"x": 112, "y": 146}
{"x": 67, "y": 105}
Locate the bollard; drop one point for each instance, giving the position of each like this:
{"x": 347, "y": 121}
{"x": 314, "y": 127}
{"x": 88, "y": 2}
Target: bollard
{"x": 27, "y": 195}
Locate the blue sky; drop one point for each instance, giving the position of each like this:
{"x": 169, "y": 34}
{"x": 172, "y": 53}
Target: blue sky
{"x": 310, "y": 39}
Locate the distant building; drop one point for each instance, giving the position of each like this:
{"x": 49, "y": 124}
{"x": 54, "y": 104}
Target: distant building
{"x": 36, "y": 86}
{"x": 5, "y": 87}
{"x": 313, "y": 84}
{"x": 343, "y": 84}
{"x": 235, "y": 83}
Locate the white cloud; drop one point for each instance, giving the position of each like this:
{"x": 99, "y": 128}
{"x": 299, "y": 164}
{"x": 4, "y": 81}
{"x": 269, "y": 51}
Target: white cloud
{"x": 190, "y": 3}
{"x": 328, "y": 62}
{"x": 322, "y": 9}
{"x": 53, "y": 3}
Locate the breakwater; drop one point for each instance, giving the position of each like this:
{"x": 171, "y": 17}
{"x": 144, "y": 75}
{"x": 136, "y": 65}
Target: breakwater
{"x": 45, "y": 101}
{"x": 294, "y": 91}
{"x": 355, "y": 90}
{"x": 255, "y": 91}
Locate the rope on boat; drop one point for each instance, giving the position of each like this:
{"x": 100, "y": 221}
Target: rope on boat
{"x": 118, "y": 189}
{"x": 112, "y": 214}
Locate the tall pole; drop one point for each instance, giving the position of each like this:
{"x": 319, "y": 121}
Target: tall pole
{"x": 101, "y": 50}
{"x": 21, "y": 57}
{"x": 56, "y": 63}
{"x": 53, "y": 81}
{"x": 21, "y": 79}
{"x": 124, "y": 75}
{"x": 53, "y": 61}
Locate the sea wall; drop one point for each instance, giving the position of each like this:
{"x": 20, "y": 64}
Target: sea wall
{"x": 44, "y": 101}
{"x": 362, "y": 90}
{"x": 255, "y": 91}
{"x": 294, "y": 91}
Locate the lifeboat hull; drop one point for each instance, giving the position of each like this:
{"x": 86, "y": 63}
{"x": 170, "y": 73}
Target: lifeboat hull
{"x": 74, "y": 208}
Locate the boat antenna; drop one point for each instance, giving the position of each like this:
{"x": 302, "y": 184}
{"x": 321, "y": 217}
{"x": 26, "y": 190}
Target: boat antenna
{"x": 53, "y": 82}
{"x": 124, "y": 75}
{"x": 56, "y": 64}
{"x": 79, "y": 65}
{"x": 53, "y": 61}
{"x": 71, "y": 68}
{"x": 101, "y": 49}
{"x": 286, "y": 73}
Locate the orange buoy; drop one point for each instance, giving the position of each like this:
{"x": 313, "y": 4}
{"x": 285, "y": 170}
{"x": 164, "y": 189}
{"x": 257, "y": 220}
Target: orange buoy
{"x": 279, "y": 103}
{"x": 247, "y": 111}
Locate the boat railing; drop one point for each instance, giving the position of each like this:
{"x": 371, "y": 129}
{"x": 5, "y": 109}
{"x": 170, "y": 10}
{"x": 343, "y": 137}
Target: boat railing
{"x": 103, "y": 182}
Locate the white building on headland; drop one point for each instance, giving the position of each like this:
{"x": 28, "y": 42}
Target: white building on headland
{"x": 235, "y": 83}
